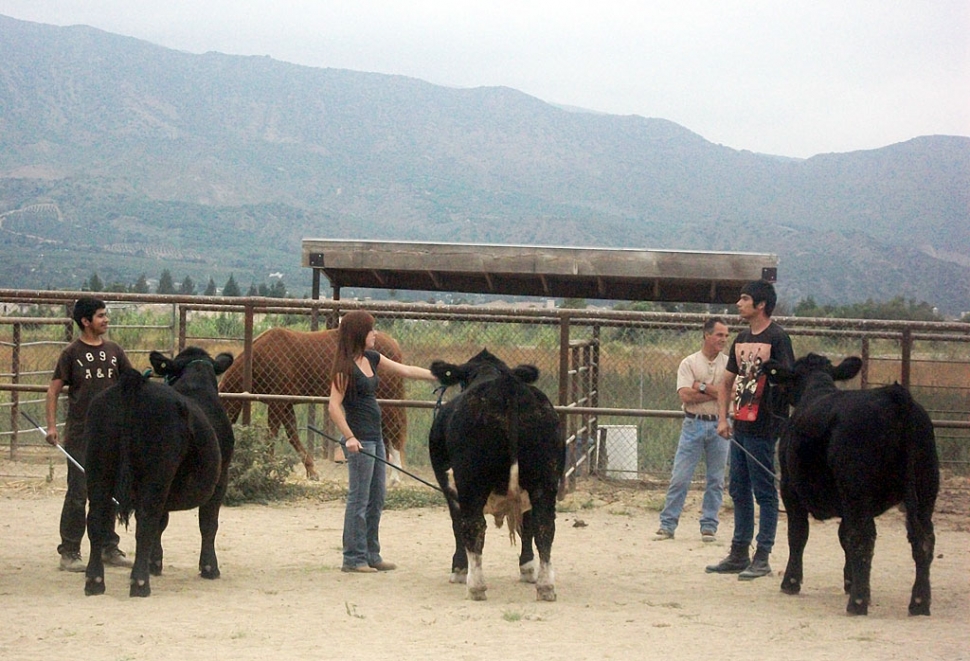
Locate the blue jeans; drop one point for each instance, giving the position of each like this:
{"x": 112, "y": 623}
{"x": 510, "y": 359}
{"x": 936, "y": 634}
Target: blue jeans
{"x": 749, "y": 483}
{"x": 365, "y": 502}
{"x": 697, "y": 438}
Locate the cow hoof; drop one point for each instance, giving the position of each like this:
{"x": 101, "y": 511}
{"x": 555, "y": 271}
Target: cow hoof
{"x": 209, "y": 572}
{"x": 95, "y": 586}
{"x": 545, "y": 593}
{"x": 919, "y": 607}
{"x": 857, "y": 607}
{"x": 313, "y": 477}
{"x": 791, "y": 586}
{"x": 477, "y": 595}
{"x": 139, "y": 589}
{"x": 528, "y": 573}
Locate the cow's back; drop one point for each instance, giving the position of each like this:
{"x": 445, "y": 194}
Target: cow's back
{"x": 858, "y": 446}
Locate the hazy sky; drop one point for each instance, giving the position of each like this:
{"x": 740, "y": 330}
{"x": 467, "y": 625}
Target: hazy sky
{"x": 787, "y": 78}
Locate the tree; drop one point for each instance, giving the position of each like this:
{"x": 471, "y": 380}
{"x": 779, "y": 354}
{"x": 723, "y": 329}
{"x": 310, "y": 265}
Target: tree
{"x": 231, "y": 288}
{"x": 253, "y": 290}
{"x": 278, "y": 289}
{"x": 141, "y": 286}
{"x": 210, "y": 289}
{"x": 187, "y": 288}
{"x": 94, "y": 283}
{"x": 117, "y": 286}
{"x": 165, "y": 283}
{"x": 897, "y": 308}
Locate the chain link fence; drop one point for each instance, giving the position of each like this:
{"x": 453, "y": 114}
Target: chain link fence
{"x": 611, "y": 374}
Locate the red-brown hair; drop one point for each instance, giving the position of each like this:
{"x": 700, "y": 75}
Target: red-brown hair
{"x": 351, "y": 342}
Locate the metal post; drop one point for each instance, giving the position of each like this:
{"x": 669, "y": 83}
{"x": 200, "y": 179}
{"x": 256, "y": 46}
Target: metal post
{"x": 15, "y": 395}
{"x": 183, "y": 325}
{"x": 247, "y": 385}
{"x": 563, "y": 378}
{"x": 907, "y": 355}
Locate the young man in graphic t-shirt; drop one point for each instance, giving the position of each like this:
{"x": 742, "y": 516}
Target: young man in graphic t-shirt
{"x": 758, "y": 410}
{"x": 87, "y": 366}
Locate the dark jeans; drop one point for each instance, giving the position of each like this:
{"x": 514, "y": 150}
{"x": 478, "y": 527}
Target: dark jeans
{"x": 751, "y": 482}
{"x": 73, "y": 518}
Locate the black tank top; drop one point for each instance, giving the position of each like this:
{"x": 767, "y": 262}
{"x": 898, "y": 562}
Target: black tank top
{"x": 362, "y": 411}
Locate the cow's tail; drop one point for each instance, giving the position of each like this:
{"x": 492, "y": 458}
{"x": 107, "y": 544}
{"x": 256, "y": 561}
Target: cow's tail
{"x": 513, "y": 495}
{"x": 131, "y": 382}
{"x": 922, "y": 462}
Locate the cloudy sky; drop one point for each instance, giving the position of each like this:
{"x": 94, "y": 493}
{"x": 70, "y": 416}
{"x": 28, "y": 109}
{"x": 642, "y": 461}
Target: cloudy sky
{"x": 787, "y": 78}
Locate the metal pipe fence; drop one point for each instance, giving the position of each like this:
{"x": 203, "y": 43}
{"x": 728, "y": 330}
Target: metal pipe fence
{"x": 611, "y": 374}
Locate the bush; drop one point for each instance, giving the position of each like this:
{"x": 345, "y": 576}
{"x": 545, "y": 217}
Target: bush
{"x": 257, "y": 474}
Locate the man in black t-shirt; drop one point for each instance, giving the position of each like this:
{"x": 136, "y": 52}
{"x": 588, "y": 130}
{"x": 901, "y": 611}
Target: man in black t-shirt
{"x": 757, "y": 412}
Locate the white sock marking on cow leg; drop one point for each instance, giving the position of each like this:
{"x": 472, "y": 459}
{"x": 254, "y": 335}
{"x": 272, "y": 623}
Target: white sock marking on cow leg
{"x": 528, "y": 573}
{"x": 546, "y": 585}
{"x": 476, "y": 580}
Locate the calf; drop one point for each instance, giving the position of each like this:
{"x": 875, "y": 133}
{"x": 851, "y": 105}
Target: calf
{"x": 854, "y": 454}
{"x": 154, "y": 450}
{"x": 500, "y": 437}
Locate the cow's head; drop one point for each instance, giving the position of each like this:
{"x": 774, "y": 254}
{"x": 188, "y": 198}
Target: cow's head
{"x": 173, "y": 368}
{"x": 808, "y": 369}
{"x": 482, "y": 366}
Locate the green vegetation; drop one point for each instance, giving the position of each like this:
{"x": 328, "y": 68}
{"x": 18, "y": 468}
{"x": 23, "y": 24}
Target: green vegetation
{"x": 258, "y": 472}
{"x": 898, "y": 308}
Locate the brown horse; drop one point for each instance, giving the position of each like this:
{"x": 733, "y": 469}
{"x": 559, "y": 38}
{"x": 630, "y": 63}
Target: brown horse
{"x": 288, "y": 362}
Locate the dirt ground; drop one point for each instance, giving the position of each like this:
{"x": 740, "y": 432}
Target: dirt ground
{"x": 621, "y": 595}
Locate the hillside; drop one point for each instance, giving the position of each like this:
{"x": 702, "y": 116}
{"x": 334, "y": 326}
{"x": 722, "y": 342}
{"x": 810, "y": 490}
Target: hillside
{"x": 126, "y": 157}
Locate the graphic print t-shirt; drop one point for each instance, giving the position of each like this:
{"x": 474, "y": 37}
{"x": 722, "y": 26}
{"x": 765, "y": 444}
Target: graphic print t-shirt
{"x": 755, "y": 403}
{"x": 87, "y": 370}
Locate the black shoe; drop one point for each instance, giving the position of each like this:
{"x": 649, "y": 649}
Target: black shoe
{"x": 736, "y": 561}
{"x": 759, "y": 567}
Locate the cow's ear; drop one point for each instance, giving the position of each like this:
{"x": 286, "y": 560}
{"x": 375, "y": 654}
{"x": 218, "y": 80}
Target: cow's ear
{"x": 777, "y": 373}
{"x": 222, "y": 362}
{"x": 526, "y": 373}
{"x": 446, "y": 373}
{"x": 847, "y": 369}
{"x": 160, "y": 363}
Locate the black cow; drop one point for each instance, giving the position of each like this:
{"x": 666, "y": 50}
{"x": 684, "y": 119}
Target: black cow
{"x": 854, "y": 454}
{"x": 158, "y": 448}
{"x": 500, "y": 437}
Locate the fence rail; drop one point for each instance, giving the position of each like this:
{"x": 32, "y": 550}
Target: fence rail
{"x": 599, "y": 367}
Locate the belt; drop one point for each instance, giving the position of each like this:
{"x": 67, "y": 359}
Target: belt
{"x": 701, "y": 416}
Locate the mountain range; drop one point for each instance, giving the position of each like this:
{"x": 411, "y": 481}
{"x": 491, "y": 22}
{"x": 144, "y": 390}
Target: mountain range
{"x": 122, "y": 157}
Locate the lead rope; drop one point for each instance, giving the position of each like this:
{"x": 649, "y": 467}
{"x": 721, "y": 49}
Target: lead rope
{"x": 440, "y": 392}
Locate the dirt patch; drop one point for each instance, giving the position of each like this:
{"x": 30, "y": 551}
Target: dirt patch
{"x": 621, "y": 595}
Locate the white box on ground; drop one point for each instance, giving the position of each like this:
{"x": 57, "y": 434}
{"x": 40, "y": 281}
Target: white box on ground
{"x": 619, "y": 442}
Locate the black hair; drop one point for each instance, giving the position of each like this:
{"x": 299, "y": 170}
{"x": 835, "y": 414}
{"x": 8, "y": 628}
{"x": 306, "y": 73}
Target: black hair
{"x": 762, "y": 291}
{"x": 85, "y": 308}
